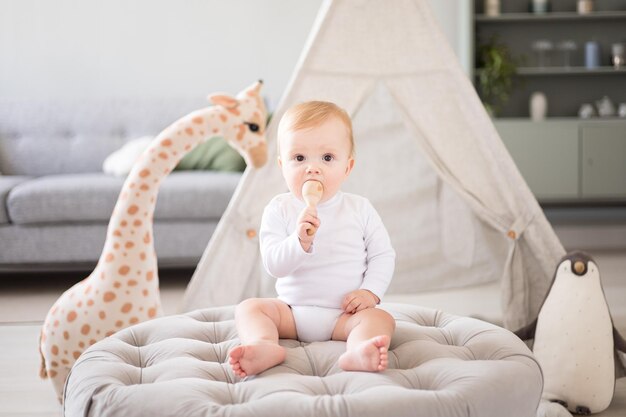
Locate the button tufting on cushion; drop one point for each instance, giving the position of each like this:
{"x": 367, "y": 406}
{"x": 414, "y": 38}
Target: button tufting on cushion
{"x": 439, "y": 365}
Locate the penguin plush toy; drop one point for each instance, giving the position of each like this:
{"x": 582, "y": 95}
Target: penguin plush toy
{"x": 575, "y": 340}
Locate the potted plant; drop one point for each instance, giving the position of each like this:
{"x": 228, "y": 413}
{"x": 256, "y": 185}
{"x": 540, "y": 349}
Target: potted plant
{"x": 496, "y": 69}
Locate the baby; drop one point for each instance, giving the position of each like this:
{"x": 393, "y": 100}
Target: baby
{"x": 329, "y": 283}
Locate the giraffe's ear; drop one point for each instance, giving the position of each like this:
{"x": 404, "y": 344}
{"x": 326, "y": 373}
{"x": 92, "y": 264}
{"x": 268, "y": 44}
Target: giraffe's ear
{"x": 223, "y": 100}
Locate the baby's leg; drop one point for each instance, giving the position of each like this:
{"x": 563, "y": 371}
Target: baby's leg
{"x": 260, "y": 322}
{"x": 368, "y": 334}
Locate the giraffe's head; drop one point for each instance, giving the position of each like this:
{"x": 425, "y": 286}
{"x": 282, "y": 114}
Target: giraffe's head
{"x": 244, "y": 129}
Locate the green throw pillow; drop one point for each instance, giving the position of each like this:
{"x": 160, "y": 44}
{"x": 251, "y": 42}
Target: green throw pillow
{"x": 214, "y": 154}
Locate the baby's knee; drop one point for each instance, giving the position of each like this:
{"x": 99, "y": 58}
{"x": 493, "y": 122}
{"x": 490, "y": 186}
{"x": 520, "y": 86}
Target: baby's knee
{"x": 249, "y": 305}
{"x": 382, "y": 316}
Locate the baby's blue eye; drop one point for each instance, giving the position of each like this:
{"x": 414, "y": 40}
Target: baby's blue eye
{"x": 328, "y": 157}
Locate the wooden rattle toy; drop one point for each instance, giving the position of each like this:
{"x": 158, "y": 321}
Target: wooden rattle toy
{"x": 312, "y": 191}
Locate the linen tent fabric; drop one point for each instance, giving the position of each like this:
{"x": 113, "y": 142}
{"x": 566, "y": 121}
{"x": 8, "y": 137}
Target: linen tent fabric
{"x": 427, "y": 156}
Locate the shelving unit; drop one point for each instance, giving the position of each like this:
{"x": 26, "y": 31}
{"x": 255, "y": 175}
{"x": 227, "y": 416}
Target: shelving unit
{"x": 529, "y": 71}
{"x": 518, "y": 29}
{"x": 564, "y": 159}
{"x": 551, "y": 16}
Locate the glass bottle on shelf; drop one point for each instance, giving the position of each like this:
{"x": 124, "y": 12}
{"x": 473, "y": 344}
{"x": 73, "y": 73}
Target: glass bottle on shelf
{"x": 567, "y": 47}
{"x": 543, "y": 50}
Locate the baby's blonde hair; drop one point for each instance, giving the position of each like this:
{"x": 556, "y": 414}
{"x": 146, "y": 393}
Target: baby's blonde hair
{"x": 312, "y": 113}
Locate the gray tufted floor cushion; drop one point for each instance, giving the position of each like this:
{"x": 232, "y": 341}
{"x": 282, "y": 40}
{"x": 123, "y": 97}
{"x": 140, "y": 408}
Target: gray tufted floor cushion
{"x": 440, "y": 365}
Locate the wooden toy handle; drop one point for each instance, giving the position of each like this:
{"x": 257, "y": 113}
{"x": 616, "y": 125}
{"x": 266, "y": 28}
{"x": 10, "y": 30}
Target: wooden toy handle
{"x": 312, "y": 194}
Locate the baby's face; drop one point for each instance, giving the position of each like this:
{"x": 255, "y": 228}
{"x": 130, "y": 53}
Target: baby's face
{"x": 320, "y": 153}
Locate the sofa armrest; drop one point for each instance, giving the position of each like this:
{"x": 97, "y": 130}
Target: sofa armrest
{"x": 7, "y": 182}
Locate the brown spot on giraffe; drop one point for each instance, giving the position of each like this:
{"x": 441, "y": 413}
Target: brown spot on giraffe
{"x": 109, "y": 296}
{"x": 127, "y": 307}
{"x": 109, "y": 258}
{"x": 85, "y": 329}
{"x": 71, "y": 316}
{"x": 124, "y": 269}
{"x": 132, "y": 210}
{"x": 197, "y": 120}
{"x": 133, "y": 320}
{"x": 144, "y": 173}
{"x": 189, "y": 131}
{"x": 150, "y": 275}
{"x": 152, "y": 312}
{"x": 54, "y": 349}
{"x": 241, "y": 133}
{"x": 102, "y": 315}
{"x": 66, "y": 335}
{"x": 166, "y": 142}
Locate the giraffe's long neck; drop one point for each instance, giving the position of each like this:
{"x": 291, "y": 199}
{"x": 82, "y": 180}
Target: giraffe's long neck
{"x": 129, "y": 247}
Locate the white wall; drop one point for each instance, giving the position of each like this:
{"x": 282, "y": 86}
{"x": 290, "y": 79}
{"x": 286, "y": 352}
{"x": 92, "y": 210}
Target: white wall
{"x": 158, "y": 48}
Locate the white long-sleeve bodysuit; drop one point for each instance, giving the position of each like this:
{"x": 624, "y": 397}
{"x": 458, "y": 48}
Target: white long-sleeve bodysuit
{"x": 351, "y": 251}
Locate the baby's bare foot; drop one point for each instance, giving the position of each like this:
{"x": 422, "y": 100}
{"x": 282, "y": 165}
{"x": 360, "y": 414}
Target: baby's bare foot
{"x": 253, "y": 359}
{"x": 370, "y": 355}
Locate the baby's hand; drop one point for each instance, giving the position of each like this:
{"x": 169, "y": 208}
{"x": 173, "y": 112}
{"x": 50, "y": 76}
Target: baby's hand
{"x": 359, "y": 300}
{"x": 307, "y": 221}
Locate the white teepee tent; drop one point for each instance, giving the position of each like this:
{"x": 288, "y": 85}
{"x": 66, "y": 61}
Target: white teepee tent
{"x": 427, "y": 156}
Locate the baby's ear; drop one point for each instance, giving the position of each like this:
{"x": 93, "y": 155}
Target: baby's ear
{"x": 223, "y": 100}
{"x": 350, "y": 166}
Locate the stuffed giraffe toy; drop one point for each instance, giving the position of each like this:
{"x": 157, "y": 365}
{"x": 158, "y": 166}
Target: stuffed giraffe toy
{"x": 123, "y": 289}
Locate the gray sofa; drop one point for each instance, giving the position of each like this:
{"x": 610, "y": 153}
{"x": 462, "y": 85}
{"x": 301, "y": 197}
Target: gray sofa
{"x": 56, "y": 201}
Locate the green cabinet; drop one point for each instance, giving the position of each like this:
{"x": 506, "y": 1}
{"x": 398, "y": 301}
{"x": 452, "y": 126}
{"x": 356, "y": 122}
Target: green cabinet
{"x": 603, "y": 160}
{"x": 569, "y": 160}
{"x": 546, "y": 154}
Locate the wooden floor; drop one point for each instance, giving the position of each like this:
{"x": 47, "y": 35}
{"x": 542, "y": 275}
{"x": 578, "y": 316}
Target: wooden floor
{"x": 25, "y": 300}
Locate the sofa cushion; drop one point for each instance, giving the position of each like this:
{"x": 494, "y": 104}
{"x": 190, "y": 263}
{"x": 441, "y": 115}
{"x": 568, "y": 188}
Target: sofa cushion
{"x": 91, "y": 197}
{"x": 7, "y": 182}
{"x": 214, "y": 154}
